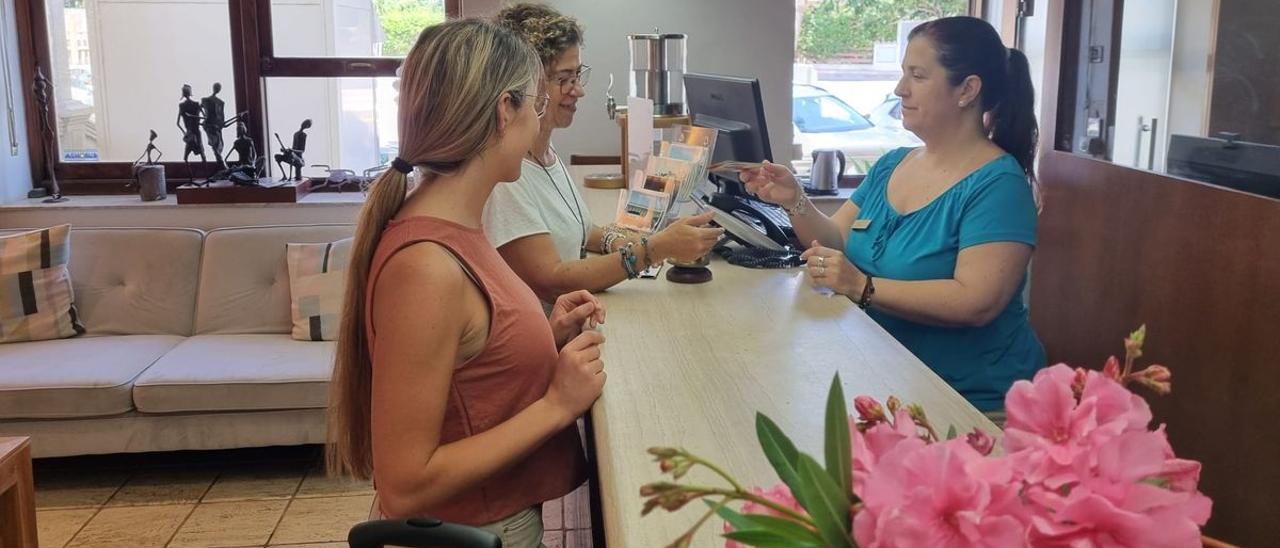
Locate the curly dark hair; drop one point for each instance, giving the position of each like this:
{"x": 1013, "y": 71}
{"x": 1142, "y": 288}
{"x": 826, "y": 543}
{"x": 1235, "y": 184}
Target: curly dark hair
{"x": 547, "y": 30}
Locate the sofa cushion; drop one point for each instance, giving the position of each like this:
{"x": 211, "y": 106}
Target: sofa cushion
{"x": 237, "y": 373}
{"x": 36, "y": 300}
{"x": 135, "y": 281}
{"x": 244, "y": 282}
{"x": 317, "y": 284}
{"x": 84, "y": 377}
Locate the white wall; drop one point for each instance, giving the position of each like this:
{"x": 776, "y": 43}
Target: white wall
{"x": 15, "y": 172}
{"x": 753, "y": 38}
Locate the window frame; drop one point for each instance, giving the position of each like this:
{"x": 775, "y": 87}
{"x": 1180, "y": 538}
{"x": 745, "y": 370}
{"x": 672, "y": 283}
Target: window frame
{"x": 253, "y": 60}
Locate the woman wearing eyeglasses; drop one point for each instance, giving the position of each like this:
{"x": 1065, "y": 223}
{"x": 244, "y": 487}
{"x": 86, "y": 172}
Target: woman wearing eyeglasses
{"x": 541, "y": 224}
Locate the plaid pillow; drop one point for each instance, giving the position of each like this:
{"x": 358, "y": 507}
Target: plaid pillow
{"x": 36, "y": 299}
{"x": 317, "y": 282}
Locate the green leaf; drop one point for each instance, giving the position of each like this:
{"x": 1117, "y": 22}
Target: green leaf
{"x": 764, "y": 539}
{"x": 827, "y": 504}
{"x": 952, "y": 433}
{"x": 838, "y": 449}
{"x": 730, "y": 516}
{"x": 784, "y": 527}
{"x": 779, "y": 449}
{"x": 797, "y": 534}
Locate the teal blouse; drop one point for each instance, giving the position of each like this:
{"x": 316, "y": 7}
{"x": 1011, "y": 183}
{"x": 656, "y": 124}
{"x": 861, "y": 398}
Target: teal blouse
{"x": 995, "y": 203}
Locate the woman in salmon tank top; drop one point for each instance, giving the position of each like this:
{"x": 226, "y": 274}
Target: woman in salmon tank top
{"x": 451, "y": 388}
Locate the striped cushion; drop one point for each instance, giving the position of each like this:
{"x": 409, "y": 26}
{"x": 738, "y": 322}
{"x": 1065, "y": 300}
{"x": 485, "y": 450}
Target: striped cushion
{"x": 36, "y": 299}
{"x": 317, "y": 280}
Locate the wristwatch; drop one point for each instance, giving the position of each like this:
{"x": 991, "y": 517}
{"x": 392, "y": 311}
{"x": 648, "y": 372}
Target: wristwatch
{"x": 799, "y": 208}
{"x": 867, "y": 291}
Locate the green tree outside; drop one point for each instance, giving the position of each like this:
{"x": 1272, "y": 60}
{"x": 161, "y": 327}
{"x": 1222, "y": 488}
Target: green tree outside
{"x": 403, "y": 20}
{"x": 834, "y": 27}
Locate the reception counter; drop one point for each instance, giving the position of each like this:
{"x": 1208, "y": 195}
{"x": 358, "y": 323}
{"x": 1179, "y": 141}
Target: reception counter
{"x": 690, "y": 365}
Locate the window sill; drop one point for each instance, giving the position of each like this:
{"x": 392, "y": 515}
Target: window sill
{"x": 315, "y": 199}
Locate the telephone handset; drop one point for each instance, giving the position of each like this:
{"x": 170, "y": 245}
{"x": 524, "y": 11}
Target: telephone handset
{"x": 755, "y": 218}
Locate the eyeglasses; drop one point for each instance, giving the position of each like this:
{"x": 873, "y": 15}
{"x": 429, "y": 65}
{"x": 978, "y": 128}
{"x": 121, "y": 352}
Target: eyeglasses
{"x": 539, "y": 101}
{"x": 579, "y": 78}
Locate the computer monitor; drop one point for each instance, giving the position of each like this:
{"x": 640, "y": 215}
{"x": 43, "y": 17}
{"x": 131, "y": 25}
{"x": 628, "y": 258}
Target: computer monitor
{"x": 733, "y": 106}
{"x": 1248, "y": 167}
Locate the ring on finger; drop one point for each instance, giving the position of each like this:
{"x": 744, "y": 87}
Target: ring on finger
{"x": 822, "y": 271}
{"x": 822, "y": 261}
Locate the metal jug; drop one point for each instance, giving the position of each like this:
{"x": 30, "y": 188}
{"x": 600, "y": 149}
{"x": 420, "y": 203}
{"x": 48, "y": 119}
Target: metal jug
{"x": 828, "y": 166}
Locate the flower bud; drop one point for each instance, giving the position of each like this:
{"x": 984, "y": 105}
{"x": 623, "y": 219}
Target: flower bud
{"x": 1112, "y": 368}
{"x": 664, "y": 452}
{"x": 869, "y": 410}
{"x": 1133, "y": 344}
{"x": 917, "y": 414}
{"x": 651, "y": 489}
{"x": 980, "y": 442}
{"x": 893, "y": 404}
{"x": 1156, "y": 377}
{"x": 1078, "y": 382}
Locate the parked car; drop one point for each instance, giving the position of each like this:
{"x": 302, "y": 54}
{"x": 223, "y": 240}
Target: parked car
{"x": 888, "y": 114}
{"x": 822, "y": 120}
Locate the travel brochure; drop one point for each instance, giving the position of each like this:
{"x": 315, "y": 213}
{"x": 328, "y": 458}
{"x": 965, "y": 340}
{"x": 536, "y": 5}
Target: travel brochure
{"x": 672, "y": 181}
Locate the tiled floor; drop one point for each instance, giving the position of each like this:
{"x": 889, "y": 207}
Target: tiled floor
{"x": 240, "y": 498}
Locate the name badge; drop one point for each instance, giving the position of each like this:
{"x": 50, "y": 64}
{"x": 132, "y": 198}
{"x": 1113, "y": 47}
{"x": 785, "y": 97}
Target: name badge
{"x": 862, "y": 224}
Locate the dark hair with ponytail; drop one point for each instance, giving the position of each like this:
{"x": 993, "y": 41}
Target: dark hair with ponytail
{"x": 968, "y": 46}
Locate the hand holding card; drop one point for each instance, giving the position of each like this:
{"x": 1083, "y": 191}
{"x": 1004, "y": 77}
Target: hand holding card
{"x": 731, "y": 165}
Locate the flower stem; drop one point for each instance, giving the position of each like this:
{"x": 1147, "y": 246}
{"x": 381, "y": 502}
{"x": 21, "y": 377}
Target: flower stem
{"x": 719, "y": 471}
{"x": 703, "y": 519}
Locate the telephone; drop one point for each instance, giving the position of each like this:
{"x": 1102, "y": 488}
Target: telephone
{"x": 749, "y": 221}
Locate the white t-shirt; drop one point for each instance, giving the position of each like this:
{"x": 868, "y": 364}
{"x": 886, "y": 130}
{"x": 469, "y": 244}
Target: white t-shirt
{"x": 538, "y": 204}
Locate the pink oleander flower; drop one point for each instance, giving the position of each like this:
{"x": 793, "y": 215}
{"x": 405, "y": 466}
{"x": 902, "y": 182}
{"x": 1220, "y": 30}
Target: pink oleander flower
{"x": 779, "y": 493}
{"x": 1123, "y": 498}
{"x": 941, "y": 494}
{"x": 1088, "y": 519}
{"x": 1049, "y": 428}
{"x": 870, "y": 446}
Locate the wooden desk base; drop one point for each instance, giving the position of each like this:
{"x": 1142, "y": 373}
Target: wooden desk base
{"x": 17, "y": 495}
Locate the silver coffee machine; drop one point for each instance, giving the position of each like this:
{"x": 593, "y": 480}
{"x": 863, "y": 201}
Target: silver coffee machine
{"x": 657, "y": 70}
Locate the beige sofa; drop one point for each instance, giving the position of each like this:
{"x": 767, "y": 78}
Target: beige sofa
{"x": 187, "y": 347}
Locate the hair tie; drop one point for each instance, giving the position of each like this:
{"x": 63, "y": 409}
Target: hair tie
{"x": 402, "y": 166}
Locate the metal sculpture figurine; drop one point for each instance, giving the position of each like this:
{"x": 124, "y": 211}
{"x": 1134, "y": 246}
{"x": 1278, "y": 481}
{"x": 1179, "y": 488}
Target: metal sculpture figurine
{"x": 215, "y": 121}
{"x": 189, "y": 118}
{"x": 148, "y": 174}
{"x": 151, "y": 148}
{"x": 248, "y": 167}
{"x": 41, "y": 89}
{"x": 293, "y": 155}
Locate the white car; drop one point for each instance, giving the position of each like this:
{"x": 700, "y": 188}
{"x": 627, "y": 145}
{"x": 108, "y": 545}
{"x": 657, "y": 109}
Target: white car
{"x": 888, "y": 114}
{"x": 821, "y": 120}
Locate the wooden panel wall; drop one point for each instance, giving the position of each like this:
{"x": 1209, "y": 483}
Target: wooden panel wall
{"x": 1200, "y": 265}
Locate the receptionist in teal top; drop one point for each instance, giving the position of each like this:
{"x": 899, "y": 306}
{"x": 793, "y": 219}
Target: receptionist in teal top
{"x": 936, "y": 240}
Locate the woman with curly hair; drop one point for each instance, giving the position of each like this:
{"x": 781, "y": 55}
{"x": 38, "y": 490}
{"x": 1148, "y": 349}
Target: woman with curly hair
{"x": 541, "y": 224}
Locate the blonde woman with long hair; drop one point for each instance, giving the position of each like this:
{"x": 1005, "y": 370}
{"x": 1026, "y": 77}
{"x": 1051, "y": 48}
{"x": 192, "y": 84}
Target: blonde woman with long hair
{"x": 452, "y": 390}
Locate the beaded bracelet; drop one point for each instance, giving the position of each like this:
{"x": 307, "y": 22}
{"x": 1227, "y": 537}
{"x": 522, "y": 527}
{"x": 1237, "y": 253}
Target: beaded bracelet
{"x": 610, "y": 236}
{"x": 629, "y": 260}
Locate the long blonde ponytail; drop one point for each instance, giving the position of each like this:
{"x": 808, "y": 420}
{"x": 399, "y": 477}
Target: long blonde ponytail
{"x": 451, "y": 83}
